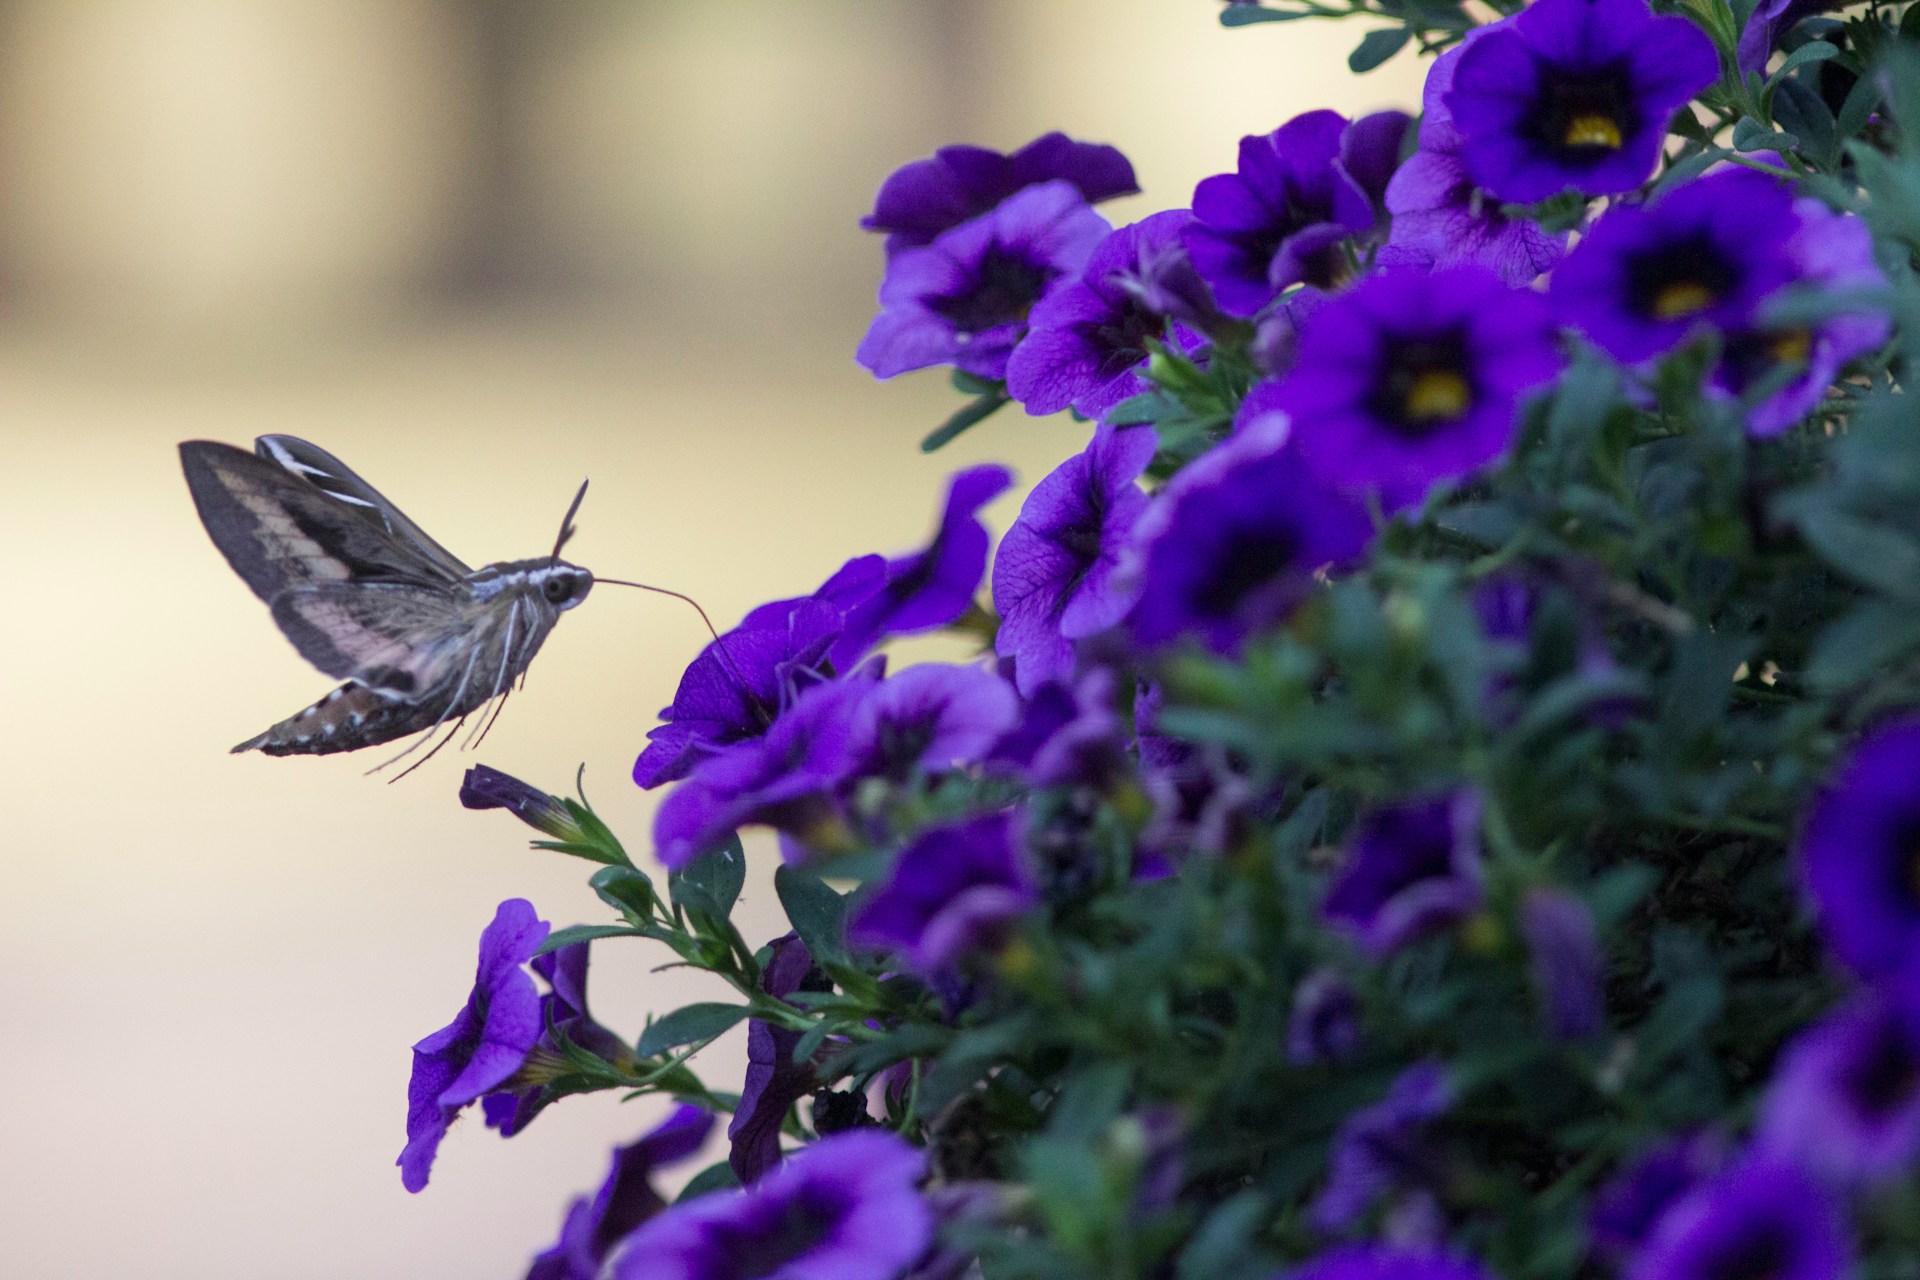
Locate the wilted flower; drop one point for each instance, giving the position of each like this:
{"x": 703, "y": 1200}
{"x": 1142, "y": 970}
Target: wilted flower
{"x": 1232, "y": 543}
{"x": 1410, "y": 378}
{"x": 774, "y": 1081}
{"x": 963, "y": 299}
{"x": 956, "y": 184}
{"x": 931, "y": 587}
{"x": 1760, "y": 1219}
{"x": 1325, "y": 1023}
{"x": 1054, "y": 578}
{"x": 845, "y": 1207}
{"x": 624, "y": 1201}
{"x": 1087, "y": 340}
{"x": 1860, "y": 854}
{"x": 1286, "y": 214}
{"x": 1769, "y": 20}
{"x": 1845, "y": 1096}
{"x": 1574, "y": 93}
{"x": 953, "y": 890}
{"x": 1381, "y": 1148}
{"x": 483, "y": 1046}
{"x": 1647, "y": 277}
{"x": 1569, "y": 966}
{"x": 933, "y": 716}
{"x": 1410, "y": 868}
{"x": 1440, "y": 218}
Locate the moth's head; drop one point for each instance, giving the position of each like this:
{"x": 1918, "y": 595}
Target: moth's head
{"x": 564, "y": 585}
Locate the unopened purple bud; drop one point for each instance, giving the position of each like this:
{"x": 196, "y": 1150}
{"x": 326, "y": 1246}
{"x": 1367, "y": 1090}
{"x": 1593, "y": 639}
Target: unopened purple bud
{"x": 486, "y": 788}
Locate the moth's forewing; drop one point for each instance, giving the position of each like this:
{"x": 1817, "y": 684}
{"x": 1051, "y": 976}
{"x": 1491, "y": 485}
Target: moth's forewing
{"x": 313, "y": 465}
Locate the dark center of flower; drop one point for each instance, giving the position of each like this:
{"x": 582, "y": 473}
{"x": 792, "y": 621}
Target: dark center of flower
{"x": 1751, "y": 355}
{"x": 1252, "y": 559}
{"x": 1584, "y": 115}
{"x": 768, "y": 1244}
{"x": 1121, "y": 339}
{"x": 1679, "y": 279}
{"x": 1885, "y": 1077}
{"x": 1003, "y": 289}
{"x": 1424, "y": 383}
{"x": 903, "y": 742}
{"x": 1763, "y": 1253}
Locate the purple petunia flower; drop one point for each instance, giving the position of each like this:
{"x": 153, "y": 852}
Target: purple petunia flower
{"x": 1845, "y": 1097}
{"x": 1758, "y": 1219}
{"x": 1705, "y": 253}
{"x": 1770, "y": 20}
{"x": 1440, "y": 218}
{"x": 740, "y": 683}
{"x": 1087, "y": 340}
{"x": 1232, "y": 543}
{"x": 1631, "y": 1203}
{"x": 784, "y": 780}
{"x": 1832, "y": 250}
{"x": 1090, "y": 748}
{"x": 1382, "y": 1262}
{"x": 1325, "y": 1023}
{"x": 1054, "y": 576}
{"x": 1276, "y": 336}
{"x": 483, "y": 1046}
{"x": 563, "y": 1014}
{"x": 1574, "y": 93}
{"x": 933, "y": 717}
{"x": 845, "y": 1208}
{"x": 1380, "y": 1148}
{"x": 1412, "y": 377}
{"x": 934, "y": 586}
{"x": 1201, "y": 801}
{"x": 1860, "y": 854}
{"x": 1569, "y": 967}
{"x": 963, "y": 299}
{"x": 1286, "y": 214}
{"x": 954, "y": 890}
{"x": 625, "y": 1200}
{"x": 774, "y": 1081}
{"x": 921, "y": 199}
{"x": 1410, "y": 868}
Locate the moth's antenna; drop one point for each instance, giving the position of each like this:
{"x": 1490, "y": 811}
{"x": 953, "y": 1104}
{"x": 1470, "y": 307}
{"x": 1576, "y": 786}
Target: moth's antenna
{"x": 720, "y": 646}
{"x": 566, "y": 524}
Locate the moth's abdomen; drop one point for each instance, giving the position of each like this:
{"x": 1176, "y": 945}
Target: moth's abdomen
{"x": 351, "y": 717}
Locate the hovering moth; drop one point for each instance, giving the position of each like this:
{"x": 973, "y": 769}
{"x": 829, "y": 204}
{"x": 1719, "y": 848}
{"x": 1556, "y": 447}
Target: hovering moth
{"x": 365, "y": 595}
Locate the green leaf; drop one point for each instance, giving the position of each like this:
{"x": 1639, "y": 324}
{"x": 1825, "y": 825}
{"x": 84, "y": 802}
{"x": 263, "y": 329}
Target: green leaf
{"x": 967, "y": 418}
{"x": 1812, "y": 51}
{"x": 718, "y": 1176}
{"x": 1872, "y": 555}
{"x": 817, "y": 913}
{"x": 686, "y": 1025}
{"x": 1246, "y": 15}
{"x": 1861, "y": 102}
{"x": 1376, "y": 47}
{"x": 1750, "y": 135}
{"x": 586, "y": 933}
{"x": 711, "y": 882}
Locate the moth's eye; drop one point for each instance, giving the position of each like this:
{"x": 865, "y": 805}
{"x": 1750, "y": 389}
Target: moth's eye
{"x": 556, "y": 589}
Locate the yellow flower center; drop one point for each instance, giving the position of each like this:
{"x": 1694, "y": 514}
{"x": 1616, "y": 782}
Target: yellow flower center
{"x": 1592, "y": 130}
{"x": 1681, "y": 298}
{"x": 1436, "y": 394}
{"x": 1793, "y": 347}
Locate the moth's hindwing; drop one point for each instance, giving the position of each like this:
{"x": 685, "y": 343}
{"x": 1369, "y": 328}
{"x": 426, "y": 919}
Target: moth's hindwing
{"x": 393, "y": 636}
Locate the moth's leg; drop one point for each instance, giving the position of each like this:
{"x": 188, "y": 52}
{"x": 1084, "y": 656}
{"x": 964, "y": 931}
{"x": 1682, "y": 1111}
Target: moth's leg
{"x": 451, "y": 735}
{"x": 502, "y": 684}
{"x": 459, "y": 692}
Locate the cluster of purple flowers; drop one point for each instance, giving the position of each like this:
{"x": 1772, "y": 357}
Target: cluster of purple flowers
{"x": 1383, "y": 308}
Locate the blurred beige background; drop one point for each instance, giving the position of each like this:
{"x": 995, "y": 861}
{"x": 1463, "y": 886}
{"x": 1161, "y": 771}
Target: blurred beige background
{"x": 478, "y": 248}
